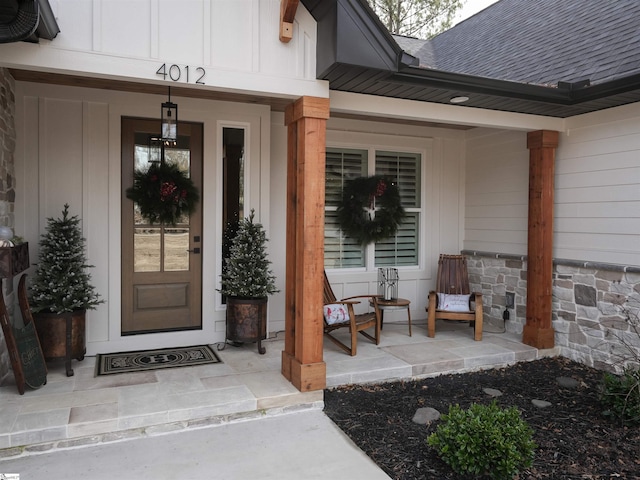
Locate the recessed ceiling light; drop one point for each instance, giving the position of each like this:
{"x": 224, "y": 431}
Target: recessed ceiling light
{"x": 459, "y": 99}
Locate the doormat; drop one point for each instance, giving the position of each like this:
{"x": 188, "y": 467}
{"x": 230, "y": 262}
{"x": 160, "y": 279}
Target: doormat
{"x": 124, "y": 362}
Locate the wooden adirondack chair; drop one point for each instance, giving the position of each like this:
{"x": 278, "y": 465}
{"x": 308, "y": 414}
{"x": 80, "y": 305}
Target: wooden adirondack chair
{"x": 355, "y": 323}
{"x": 453, "y": 279}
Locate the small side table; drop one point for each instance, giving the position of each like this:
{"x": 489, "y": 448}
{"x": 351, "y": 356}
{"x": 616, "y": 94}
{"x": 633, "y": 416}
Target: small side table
{"x": 394, "y": 304}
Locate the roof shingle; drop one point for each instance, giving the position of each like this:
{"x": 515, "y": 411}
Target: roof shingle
{"x": 540, "y": 42}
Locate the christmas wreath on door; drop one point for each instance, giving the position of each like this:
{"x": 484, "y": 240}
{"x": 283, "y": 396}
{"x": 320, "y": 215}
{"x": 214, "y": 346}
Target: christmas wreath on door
{"x": 164, "y": 193}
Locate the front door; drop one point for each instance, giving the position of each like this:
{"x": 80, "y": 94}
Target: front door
{"x": 161, "y": 263}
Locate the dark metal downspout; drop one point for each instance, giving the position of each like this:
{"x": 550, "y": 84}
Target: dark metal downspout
{"x": 33, "y": 19}
{"x": 23, "y": 25}
{"x": 47, "y": 27}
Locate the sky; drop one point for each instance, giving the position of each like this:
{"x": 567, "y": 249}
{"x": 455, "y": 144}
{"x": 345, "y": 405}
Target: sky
{"x": 471, "y": 7}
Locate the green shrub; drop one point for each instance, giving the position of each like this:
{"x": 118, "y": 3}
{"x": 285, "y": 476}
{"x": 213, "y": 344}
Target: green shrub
{"x": 484, "y": 440}
{"x": 620, "y": 396}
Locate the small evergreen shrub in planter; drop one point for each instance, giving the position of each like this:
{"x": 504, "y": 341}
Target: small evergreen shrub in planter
{"x": 620, "y": 396}
{"x": 247, "y": 281}
{"x": 484, "y": 440}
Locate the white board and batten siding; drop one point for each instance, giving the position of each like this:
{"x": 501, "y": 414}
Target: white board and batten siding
{"x": 442, "y": 201}
{"x": 68, "y": 139}
{"x": 68, "y": 151}
{"x": 229, "y": 45}
{"x": 475, "y": 182}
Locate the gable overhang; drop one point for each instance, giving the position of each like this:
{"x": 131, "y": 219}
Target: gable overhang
{"x": 350, "y": 34}
{"x": 356, "y": 53}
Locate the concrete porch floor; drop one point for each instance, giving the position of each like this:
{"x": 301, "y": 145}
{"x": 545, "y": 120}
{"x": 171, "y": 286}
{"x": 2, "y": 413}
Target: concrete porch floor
{"x": 88, "y": 410}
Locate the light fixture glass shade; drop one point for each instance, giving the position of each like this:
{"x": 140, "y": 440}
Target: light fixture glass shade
{"x": 169, "y": 122}
{"x": 155, "y": 149}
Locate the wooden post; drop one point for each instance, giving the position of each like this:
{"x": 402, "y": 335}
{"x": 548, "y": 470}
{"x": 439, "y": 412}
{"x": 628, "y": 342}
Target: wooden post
{"x": 538, "y": 331}
{"x": 302, "y": 362}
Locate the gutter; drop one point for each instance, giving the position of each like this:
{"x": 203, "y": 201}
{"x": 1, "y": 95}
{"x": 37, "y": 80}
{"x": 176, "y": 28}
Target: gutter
{"x": 48, "y": 26}
{"x": 566, "y": 94}
{"x": 607, "y": 89}
{"x": 481, "y": 85}
{"x": 23, "y": 24}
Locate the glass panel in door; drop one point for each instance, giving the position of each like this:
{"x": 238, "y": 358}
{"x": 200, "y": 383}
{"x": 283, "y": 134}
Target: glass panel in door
{"x": 161, "y": 263}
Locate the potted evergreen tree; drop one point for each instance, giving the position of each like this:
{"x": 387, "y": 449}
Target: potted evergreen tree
{"x": 247, "y": 281}
{"x": 61, "y": 290}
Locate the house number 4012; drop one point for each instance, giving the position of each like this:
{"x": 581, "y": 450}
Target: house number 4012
{"x": 176, "y": 73}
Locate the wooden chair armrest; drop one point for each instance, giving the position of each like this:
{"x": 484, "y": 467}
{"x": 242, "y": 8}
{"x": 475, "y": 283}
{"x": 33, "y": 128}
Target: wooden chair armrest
{"x": 343, "y": 302}
{"x": 360, "y": 296}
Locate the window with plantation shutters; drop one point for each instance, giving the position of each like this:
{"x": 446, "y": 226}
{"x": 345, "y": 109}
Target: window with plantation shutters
{"x": 405, "y": 169}
{"x": 341, "y": 165}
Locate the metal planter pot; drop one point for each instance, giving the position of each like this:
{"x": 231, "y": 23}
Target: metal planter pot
{"x": 247, "y": 320}
{"x": 62, "y": 336}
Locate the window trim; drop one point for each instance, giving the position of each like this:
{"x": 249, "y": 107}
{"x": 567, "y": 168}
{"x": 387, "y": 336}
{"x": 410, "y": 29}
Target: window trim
{"x": 372, "y": 142}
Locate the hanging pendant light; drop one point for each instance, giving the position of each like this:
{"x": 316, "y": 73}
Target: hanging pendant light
{"x": 156, "y": 149}
{"x": 169, "y": 116}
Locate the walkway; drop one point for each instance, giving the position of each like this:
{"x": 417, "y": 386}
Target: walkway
{"x": 87, "y": 410}
{"x": 284, "y": 447}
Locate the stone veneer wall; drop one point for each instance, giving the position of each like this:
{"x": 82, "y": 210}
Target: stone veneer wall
{"x": 7, "y": 184}
{"x": 594, "y": 304}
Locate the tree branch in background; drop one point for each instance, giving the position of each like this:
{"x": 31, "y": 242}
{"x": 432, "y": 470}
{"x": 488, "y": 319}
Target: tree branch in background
{"x": 416, "y": 18}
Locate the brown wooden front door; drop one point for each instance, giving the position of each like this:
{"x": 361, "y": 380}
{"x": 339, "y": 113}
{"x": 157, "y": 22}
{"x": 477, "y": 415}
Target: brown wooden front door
{"x": 161, "y": 264}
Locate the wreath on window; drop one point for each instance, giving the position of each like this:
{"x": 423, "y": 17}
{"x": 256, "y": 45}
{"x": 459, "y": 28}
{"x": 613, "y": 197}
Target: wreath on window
{"x": 371, "y": 209}
{"x": 164, "y": 193}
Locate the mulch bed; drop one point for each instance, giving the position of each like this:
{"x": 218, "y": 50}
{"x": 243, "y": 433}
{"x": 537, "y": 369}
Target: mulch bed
{"x": 575, "y": 441}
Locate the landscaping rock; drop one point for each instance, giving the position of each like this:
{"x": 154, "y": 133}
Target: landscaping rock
{"x": 425, "y": 415}
{"x": 541, "y": 403}
{"x": 492, "y": 392}
{"x": 574, "y": 439}
{"x": 567, "y": 382}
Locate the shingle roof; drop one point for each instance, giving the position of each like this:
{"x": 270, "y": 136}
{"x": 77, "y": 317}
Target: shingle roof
{"x": 540, "y": 42}
{"x": 527, "y": 56}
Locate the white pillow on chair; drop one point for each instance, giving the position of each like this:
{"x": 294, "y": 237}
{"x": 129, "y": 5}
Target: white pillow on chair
{"x": 335, "y": 313}
{"x": 453, "y": 303}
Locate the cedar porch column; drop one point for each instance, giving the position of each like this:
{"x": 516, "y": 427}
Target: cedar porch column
{"x": 538, "y": 331}
{"x": 302, "y": 362}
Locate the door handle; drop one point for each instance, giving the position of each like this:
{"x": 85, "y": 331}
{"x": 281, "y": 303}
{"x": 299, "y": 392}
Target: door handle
{"x": 195, "y": 250}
